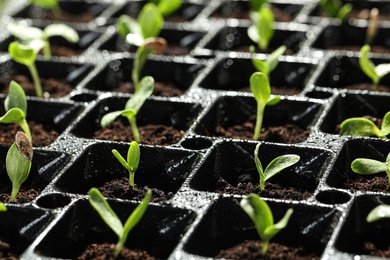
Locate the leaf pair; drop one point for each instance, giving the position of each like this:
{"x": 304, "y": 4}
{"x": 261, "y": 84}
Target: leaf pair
{"x": 360, "y": 126}
{"x": 263, "y": 30}
{"x": 132, "y": 162}
{"x": 268, "y": 65}
{"x": 369, "y": 166}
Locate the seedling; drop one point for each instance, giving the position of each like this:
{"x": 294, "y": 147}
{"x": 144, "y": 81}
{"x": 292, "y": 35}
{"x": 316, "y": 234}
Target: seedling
{"x": 369, "y": 166}
{"x": 274, "y": 167}
{"x": 255, "y": 5}
{"x": 376, "y": 73}
{"x": 372, "y": 27}
{"x": 360, "y": 126}
{"x": 26, "y": 55}
{"x": 261, "y": 215}
{"x": 18, "y": 162}
{"x": 15, "y": 105}
{"x": 268, "y": 65}
{"x": 261, "y": 90}
{"x": 52, "y": 5}
{"x": 167, "y": 7}
{"x": 29, "y": 34}
{"x": 132, "y": 162}
{"x": 2, "y": 207}
{"x": 336, "y": 9}
{"x": 132, "y": 107}
{"x": 262, "y": 30}
{"x": 99, "y": 203}
{"x": 379, "y": 212}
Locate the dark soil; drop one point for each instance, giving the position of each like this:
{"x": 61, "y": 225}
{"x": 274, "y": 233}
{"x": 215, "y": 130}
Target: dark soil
{"x": 150, "y": 134}
{"x": 6, "y": 251}
{"x": 26, "y": 193}
{"x": 367, "y": 86}
{"x": 272, "y": 190}
{"x": 83, "y": 17}
{"x": 51, "y": 87}
{"x": 373, "y": 183}
{"x": 365, "y": 14}
{"x": 288, "y": 133}
{"x": 41, "y": 135}
{"x": 356, "y": 48}
{"x": 282, "y": 90}
{"x": 163, "y": 89}
{"x": 63, "y": 51}
{"x": 245, "y": 48}
{"x": 106, "y": 251}
{"x": 374, "y": 250}
{"x": 251, "y": 249}
{"x": 120, "y": 188}
{"x": 175, "y": 50}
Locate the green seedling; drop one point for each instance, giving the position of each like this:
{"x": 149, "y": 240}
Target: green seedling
{"x": 261, "y": 215}
{"x": 255, "y": 5}
{"x": 268, "y": 65}
{"x": 378, "y": 213}
{"x": 366, "y": 166}
{"x": 167, "y": 7}
{"x": 274, "y": 167}
{"x": 52, "y": 5}
{"x": 132, "y": 162}
{"x": 376, "y": 73}
{"x": 132, "y": 107}
{"x": 372, "y": 27}
{"x": 15, "y": 105}
{"x": 3, "y": 207}
{"x": 18, "y": 162}
{"x": 335, "y": 9}
{"x": 262, "y": 30}
{"x": 27, "y": 55}
{"x": 29, "y": 34}
{"x": 360, "y": 126}
{"x": 261, "y": 91}
{"x": 99, "y": 203}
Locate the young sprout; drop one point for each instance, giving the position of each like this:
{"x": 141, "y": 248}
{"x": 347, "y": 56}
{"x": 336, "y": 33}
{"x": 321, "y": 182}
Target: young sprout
{"x": 261, "y": 215}
{"x": 372, "y": 27}
{"x": 15, "y": 105}
{"x": 255, "y": 5}
{"x": 98, "y": 202}
{"x": 275, "y": 166}
{"x": 360, "y": 126}
{"x": 261, "y": 90}
{"x": 132, "y": 162}
{"x": 18, "y": 162}
{"x": 30, "y": 34}
{"x": 379, "y": 212}
{"x": 268, "y": 65}
{"x": 2, "y": 207}
{"x": 52, "y": 5}
{"x": 369, "y": 166}
{"x": 262, "y": 30}
{"x": 336, "y": 9}
{"x": 132, "y": 107}
{"x": 26, "y": 55}
{"x": 376, "y": 73}
{"x": 167, "y": 7}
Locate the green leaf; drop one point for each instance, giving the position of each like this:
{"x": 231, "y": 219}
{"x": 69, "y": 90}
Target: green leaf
{"x": 271, "y": 231}
{"x": 145, "y": 90}
{"x": 18, "y": 167}
{"x": 24, "y": 32}
{"x": 366, "y": 64}
{"x": 2, "y": 207}
{"x": 260, "y": 88}
{"x": 126, "y": 25}
{"x": 255, "y": 5}
{"x": 261, "y": 66}
{"x": 342, "y": 14}
{"x": 379, "y": 212}
{"x": 133, "y": 156}
{"x": 49, "y": 4}
{"x": 385, "y": 127}
{"x": 280, "y": 163}
{"x": 120, "y": 158}
{"x": 253, "y": 33}
{"x": 382, "y": 70}
{"x": 331, "y": 7}
{"x": 150, "y": 21}
{"x": 265, "y": 27}
{"x": 368, "y": 166}
{"x": 358, "y": 126}
{"x": 167, "y": 7}
{"x": 15, "y": 98}
{"x": 273, "y": 100}
{"x": 14, "y": 115}
{"x": 110, "y": 117}
{"x": 63, "y": 30}
{"x": 98, "y": 202}
{"x": 21, "y": 53}
{"x": 273, "y": 59}
{"x": 259, "y": 167}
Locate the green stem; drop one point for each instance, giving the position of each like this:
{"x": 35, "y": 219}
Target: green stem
{"x": 376, "y": 84}
{"x": 118, "y": 248}
{"x": 46, "y": 49}
{"x": 264, "y": 248}
{"x": 56, "y": 11}
{"x": 131, "y": 179}
{"x": 26, "y": 129}
{"x": 37, "y": 83}
{"x": 15, "y": 190}
{"x": 134, "y": 129}
{"x": 259, "y": 122}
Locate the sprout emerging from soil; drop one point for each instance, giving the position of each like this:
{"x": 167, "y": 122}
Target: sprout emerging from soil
{"x": 27, "y": 55}
{"x": 132, "y": 107}
{"x": 52, "y": 5}
{"x": 167, "y": 7}
{"x": 132, "y": 162}
{"x": 18, "y": 162}
{"x": 336, "y": 9}
{"x": 366, "y": 166}
{"x": 29, "y": 34}
{"x": 378, "y": 213}
{"x": 262, "y": 30}
{"x": 261, "y": 91}
{"x": 261, "y": 215}
{"x": 2, "y": 207}
{"x": 376, "y": 73}
{"x": 99, "y": 203}
{"x": 274, "y": 167}
{"x": 372, "y": 27}
{"x": 15, "y": 105}
{"x": 268, "y": 65}
{"x": 360, "y": 126}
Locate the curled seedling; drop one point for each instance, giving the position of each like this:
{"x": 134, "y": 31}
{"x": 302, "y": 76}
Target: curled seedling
{"x": 268, "y": 65}
{"x": 3, "y": 207}
{"x": 167, "y": 7}
{"x": 366, "y": 166}
{"x": 133, "y": 105}
{"x": 15, "y": 105}
{"x": 18, "y": 162}
{"x": 99, "y": 203}
{"x": 375, "y": 73}
{"x": 274, "y": 167}
{"x": 261, "y": 215}
{"x": 360, "y": 126}
{"x": 30, "y": 34}
{"x": 262, "y": 31}
{"x": 336, "y": 9}
{"x": 261, "y": 91}
{"x": 378, "y": 213}
{"x": 52, "y": 5}
{"x": 27, "y": 55}
{"x": 132, "y": 162}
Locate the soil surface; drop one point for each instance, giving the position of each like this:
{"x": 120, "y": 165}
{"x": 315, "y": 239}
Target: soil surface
{"x": 367, "y": 86}
{"x": 251, "y": 249}
{"x": 150, "y": 134}
{"x": 62, "y": 51}
{"x": 27, "y": 193}
{"x": 163, "y": 89}
{"x": 83, "y": 17}
{"x": 6, "y": 251}
{"x": 356, "y": 48}
{"x": 106, "y": 251}
{"x": 367, "y": 183}
{"x": 374, "y": 250}
{"x": 276, "y": 90}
